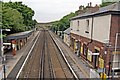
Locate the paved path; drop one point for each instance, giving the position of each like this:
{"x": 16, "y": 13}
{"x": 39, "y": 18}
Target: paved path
{"x": 11, "y": 60}
{"x": 84, "y": 65}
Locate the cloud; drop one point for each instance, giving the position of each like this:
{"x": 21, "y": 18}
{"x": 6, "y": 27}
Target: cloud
{"x": 50, "y": 10}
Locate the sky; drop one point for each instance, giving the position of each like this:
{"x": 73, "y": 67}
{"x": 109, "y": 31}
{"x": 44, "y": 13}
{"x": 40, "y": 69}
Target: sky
{"x": 52, "y": 10}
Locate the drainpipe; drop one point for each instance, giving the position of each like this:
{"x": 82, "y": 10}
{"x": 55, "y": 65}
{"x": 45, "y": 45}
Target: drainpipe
{"x": 116, "y": 42}
{"x": 91, "y": 40}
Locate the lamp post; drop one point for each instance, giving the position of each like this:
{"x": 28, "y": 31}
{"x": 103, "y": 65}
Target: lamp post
{"x": 107, "y": 46}
{"x": 1, "y": 51}
{"x": 116, "y": 41}
{"x": 114, "y": 56}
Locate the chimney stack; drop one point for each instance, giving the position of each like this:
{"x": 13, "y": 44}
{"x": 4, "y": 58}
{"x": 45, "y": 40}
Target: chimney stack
{"x": 90, "y": 4}
{"x": 96, "y": 6}
{"x": 81, "y": 7}
{"x": 92, "y": 9}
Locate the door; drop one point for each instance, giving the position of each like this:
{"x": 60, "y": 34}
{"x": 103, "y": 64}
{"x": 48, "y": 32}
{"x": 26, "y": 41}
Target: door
{"x": 96, "y": 58}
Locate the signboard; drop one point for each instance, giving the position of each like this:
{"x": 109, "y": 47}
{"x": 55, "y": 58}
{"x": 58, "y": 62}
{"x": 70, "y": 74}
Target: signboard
{"x": 89, "y": 56}
{"x": 95, "y": 54}
{"x": 101, "y": 63}
{"x": 6, "y": 43}
{"x": 81, "y": 49}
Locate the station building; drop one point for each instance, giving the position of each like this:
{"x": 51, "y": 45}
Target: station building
{"x": 18, "y": 40}
{"x": 96, "y": 37}
{"x": 67, "y": 36}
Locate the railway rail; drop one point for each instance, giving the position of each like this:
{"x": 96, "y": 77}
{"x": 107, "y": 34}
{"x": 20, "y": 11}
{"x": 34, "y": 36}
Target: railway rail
{"x": 78, "y": 69}
{"x": 46, "y": 60}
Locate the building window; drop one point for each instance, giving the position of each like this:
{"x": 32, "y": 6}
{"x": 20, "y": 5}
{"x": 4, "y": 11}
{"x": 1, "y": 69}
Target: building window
{"x": 85, "y": 49}
{"x": 80, "y": 46}
{"x": 92, "y": 58}
{"x": 78, "y": 25}
{"x": 96, "y": 58}
{"x": 87, "y": 26}
{"x": 71, "y": 25}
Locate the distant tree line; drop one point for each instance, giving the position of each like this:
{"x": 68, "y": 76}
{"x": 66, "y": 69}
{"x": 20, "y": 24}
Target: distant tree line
{"x": 16, "y": 16}
{"x": 106, "y": 3}
{"x": 63, "y": 23}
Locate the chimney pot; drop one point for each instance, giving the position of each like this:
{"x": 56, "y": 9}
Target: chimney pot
{"x": 90, "y": 4}
{"x": 96, "y": 5}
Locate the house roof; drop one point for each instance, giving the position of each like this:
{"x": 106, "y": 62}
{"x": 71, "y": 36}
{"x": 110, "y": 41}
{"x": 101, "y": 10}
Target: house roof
{"x": 67, "y": 31}
{"x": 19, "y": 35}
{"x": 113, "y": 8}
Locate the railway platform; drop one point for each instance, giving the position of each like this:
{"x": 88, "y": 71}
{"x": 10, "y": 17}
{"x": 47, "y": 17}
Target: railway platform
{"x": 11, "y": 60}
{"x": 81, "y": 63}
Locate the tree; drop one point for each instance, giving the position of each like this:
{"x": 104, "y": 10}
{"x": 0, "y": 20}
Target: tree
{"x": 25, "y": 11}
{"x": 12, "y": 19}
{"x": 106, "y": 3}
{"x": 0, "y": 14}
{"x": 63, "y": 23}
{"x": 16, "y": 16}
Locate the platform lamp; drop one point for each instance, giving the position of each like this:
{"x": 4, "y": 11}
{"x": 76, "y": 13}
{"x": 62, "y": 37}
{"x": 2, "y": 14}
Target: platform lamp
{"x": 1, "y": 51}
{"x": 107, "y": 45}
{"x": 112, "y": 56}
{"x": 116, "y": 46}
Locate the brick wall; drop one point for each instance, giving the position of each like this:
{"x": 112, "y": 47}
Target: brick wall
{"x": 115, "y": 28}
{"x": 91, "y": 46}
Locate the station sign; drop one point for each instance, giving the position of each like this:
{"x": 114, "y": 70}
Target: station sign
{"x": 91, "y": 53}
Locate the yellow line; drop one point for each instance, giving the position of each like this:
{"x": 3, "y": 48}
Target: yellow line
{"x": 84, "y": 72}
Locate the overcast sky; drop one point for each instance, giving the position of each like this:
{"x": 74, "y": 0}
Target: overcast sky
{"x": 51, "y": 10}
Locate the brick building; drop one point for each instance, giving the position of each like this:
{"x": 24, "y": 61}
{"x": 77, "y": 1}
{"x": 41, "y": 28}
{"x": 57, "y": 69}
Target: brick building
{"x": 67, "y": 36}
{"x": 96, "y": 36}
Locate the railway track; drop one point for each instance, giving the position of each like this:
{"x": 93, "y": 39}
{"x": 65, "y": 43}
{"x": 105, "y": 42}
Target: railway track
{"x": 32, "y": 66}
{"x": 74, "y": 64}
{"x": 48, "y": 63}
{"x": 45, "y": 61}
{"x": 60, "y": 67}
